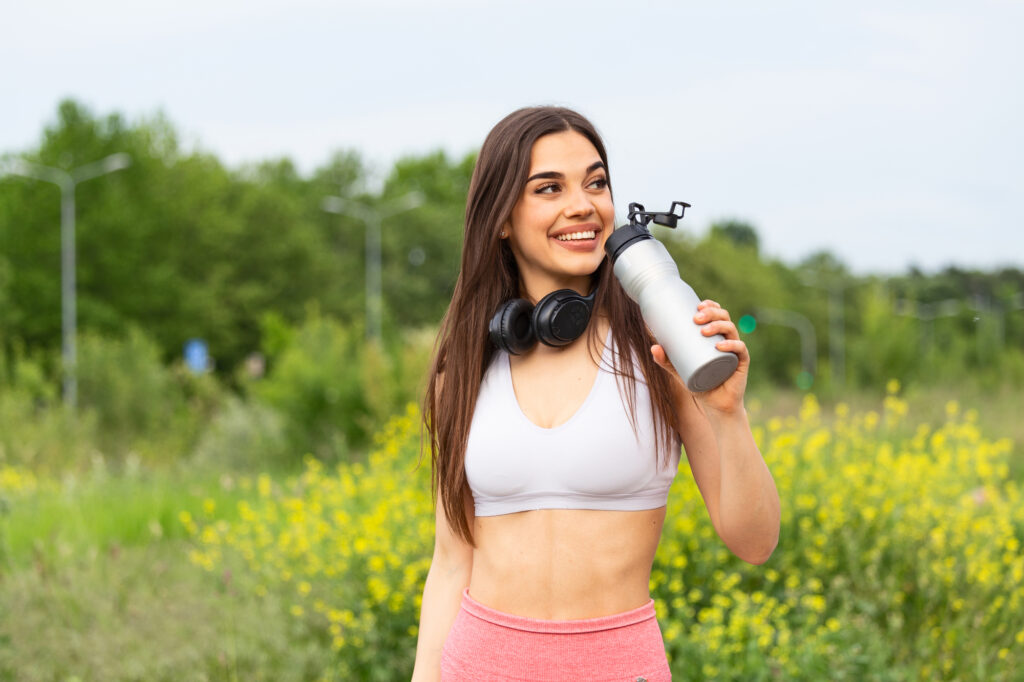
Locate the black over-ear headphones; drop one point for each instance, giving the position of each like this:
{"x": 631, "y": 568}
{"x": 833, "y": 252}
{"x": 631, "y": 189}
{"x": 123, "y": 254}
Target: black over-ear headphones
{"x": 558, "y": 319}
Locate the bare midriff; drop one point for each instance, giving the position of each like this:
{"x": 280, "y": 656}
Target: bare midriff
{"x": 565, "y": 564}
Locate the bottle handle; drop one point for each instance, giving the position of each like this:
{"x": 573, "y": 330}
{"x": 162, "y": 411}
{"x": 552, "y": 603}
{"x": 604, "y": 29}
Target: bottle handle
{"x": 642, "y": 218}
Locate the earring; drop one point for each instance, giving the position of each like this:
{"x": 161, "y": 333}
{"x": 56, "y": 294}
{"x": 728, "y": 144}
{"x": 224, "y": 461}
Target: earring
{"x": 503, "y": 234}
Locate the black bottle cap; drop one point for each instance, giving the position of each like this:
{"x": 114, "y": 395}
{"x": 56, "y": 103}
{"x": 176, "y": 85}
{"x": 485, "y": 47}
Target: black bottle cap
{"x": 622, "y": 238}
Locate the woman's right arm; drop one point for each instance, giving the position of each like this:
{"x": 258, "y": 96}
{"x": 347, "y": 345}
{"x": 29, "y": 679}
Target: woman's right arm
{"x": 442, "y": 593}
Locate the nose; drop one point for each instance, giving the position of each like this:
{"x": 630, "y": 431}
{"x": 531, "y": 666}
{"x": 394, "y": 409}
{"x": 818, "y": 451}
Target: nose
{"x": 578, "y": 204}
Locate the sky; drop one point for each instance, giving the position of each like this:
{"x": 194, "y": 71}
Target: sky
{"x": 886, "y": 133}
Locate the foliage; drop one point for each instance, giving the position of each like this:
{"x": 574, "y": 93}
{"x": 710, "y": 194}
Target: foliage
{"x": 886, "y": 346}
{"x": 95, "y": 567}
{"x": 326, "y": 393}
{"x": 899, "y": 558}
{"x": 242, "y": 436}
{"x": 124, "y": 382}
{"x": 47, "y": 520}
{"x": 130, "y": 406}
{"x": 36, "y": 433}
{"x": 423, "y": 248}
{"x": 348, "y": 548}
{"x": 739, "y": 232}
{"x": 5, "y": 279}
{"x": 735, "y": 276}
{"x": 181, "y": 247}
{"x": 900, "y": 545}
{"x": 334, "y": 389}
{"x": 141, "y": 613}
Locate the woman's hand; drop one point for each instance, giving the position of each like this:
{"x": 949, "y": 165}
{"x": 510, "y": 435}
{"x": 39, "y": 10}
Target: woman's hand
{"x": 714, "y": 319}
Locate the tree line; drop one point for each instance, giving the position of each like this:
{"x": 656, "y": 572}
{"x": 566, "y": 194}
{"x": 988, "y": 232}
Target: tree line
{"x": 180, "y": 246}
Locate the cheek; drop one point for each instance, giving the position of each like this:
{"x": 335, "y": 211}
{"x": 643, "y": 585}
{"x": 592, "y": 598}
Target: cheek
{"x": 607, "y": 211}
{"x": 527, "y": 217}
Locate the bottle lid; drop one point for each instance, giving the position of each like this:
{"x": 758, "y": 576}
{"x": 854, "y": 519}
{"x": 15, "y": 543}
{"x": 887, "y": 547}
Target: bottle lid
{"x": 621, "y": 238}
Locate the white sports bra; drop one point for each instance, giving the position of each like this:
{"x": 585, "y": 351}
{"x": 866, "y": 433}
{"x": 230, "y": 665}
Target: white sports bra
{"x": 593, "y": 461}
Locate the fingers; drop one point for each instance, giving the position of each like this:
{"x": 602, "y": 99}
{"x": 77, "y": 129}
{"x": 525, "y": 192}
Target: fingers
{"x": 708, "y": 303}
{"x": 723, "y": 327}
{"x": 735, "y": 346}
{"x": 715, "y": 320}
{"x": 708, "y": 311}
{"x": 661, "y": 357}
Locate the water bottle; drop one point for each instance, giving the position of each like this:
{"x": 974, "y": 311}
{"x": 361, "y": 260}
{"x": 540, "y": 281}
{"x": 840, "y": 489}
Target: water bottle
{"x": 651, "y": 278}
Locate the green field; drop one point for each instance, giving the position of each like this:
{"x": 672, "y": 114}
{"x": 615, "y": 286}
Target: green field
{"x": 260, "y": 517}
{"x": 141, "y": 575}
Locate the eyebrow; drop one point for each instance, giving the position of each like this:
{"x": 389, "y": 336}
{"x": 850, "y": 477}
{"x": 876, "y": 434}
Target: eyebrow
{"x": 555, "y": 175}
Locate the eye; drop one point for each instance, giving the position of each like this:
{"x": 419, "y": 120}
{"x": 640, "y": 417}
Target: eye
{"x": 549, "y": 188}
{"x": 599, "y": 183}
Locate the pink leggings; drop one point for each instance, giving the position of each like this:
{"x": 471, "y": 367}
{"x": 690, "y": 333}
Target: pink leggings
{"x": 485, "y": 644}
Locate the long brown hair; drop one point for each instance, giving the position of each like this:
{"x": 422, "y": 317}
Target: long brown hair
{"x": 488, "y": 277}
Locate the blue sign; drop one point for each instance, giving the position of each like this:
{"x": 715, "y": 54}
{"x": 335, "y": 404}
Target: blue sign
{"x": 197, "y": 356}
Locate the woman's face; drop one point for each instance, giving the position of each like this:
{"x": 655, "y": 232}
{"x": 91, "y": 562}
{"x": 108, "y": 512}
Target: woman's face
{"x": 560, "y": 223}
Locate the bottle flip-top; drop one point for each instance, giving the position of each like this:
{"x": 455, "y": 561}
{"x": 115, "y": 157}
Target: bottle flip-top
{"x": 650, "y": 277}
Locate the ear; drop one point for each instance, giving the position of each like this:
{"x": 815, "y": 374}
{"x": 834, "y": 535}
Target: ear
{"x": 506, "y": 229}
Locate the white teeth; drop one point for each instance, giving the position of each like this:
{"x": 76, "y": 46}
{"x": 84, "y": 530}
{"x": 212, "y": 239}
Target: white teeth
{"x": 589, "y": 234}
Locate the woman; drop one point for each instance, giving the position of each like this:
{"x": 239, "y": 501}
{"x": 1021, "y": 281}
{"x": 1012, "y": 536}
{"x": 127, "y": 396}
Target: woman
{"x": 551, "y": 467}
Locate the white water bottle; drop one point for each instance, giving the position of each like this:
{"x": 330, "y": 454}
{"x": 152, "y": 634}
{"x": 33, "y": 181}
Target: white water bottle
{"x": 650, "y": 277}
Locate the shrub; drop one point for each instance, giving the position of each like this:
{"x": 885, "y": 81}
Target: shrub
{"x": 334, "y": 389}
{"x": 125, "y": 383}
{"x": 36, "y": 431}
{"x": 899, "y": 556}
{"x": 244, "y": 436}
{"x": 347, "y": 549}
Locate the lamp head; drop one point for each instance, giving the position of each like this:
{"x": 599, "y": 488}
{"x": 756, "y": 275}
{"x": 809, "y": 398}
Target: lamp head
{"x": 116, "y": 162}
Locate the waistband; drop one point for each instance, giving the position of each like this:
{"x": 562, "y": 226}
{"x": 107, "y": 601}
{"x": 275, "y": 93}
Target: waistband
{"x": 508, "y": 620}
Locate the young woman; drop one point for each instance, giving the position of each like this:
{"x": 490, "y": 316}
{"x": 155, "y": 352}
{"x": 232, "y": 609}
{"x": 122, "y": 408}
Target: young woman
{"x": 551, "y": 467}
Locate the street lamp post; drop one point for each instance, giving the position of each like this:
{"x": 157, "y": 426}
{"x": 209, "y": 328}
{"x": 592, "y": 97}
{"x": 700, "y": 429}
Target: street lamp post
{"x": 372, "y": 217}
{"x": 836, "y": 325}
{"x": 928, "y": 313}
{"x": 66, "y": 181}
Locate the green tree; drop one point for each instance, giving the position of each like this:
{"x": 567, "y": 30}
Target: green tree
{"x": 739, "y": 232}
{"x": 423, "y": 248}
{"x": 735, "y": 276}
{"x": 177, "y": 244}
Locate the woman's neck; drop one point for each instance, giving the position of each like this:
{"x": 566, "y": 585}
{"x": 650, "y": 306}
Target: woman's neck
{"x": 536, "y": 289}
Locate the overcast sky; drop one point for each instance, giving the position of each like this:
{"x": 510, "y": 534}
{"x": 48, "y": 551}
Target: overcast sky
{"x": 889, "y": 134}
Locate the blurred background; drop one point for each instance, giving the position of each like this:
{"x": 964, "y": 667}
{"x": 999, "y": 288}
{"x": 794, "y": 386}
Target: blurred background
{"x": 228, "y": 232}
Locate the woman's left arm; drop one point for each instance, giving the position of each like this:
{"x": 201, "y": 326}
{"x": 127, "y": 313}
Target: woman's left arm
{"x": 733, "y": 479}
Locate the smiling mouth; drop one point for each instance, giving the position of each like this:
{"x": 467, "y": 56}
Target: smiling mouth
{"x": 577, "y": 236}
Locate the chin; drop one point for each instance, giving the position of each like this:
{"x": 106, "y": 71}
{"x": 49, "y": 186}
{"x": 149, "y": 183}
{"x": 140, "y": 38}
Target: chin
{"x": 582, "y": 268}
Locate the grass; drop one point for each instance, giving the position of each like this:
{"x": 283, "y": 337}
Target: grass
{"x": 96, "y": 568}
{"x": 141, "y": 613}
{"x": 97, "y": 571}
{"x": 106, "y": 511}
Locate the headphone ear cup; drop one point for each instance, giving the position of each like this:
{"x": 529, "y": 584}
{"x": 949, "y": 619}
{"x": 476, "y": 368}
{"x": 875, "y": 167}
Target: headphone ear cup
{"x": 511, "y": 329}
{"x": 561, "y": 317}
